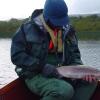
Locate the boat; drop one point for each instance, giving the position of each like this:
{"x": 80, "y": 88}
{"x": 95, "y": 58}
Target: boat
{"x": 17, "y": 90}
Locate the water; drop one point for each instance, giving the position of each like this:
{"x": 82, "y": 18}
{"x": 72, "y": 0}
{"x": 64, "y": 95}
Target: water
{"x": 7, "y": 73}
{"x": 90, "y": 52}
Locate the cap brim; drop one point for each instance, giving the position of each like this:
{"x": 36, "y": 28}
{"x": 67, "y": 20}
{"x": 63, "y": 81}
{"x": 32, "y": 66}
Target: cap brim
{"x": 60, "y": 22}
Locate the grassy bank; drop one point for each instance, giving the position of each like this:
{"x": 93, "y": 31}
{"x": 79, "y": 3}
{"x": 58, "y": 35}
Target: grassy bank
{"x": 87, "y": 27}
{"x": 89, "y": 35}
{"x": 80, "y": 35}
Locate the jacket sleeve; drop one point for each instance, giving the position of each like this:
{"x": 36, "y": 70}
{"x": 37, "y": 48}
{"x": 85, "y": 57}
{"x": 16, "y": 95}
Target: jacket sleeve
{"x": 72, "y": 52}
{"x": 19, "y": 56}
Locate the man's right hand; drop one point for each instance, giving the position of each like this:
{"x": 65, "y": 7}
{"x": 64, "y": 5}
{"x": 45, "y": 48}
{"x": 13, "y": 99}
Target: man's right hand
{"x": 51, "y": 71}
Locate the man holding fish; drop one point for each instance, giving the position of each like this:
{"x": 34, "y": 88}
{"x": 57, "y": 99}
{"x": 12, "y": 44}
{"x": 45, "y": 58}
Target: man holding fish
{"x": 44, "y": 43}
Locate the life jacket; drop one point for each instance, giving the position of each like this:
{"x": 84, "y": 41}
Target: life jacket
{"x": 56, "y": 37}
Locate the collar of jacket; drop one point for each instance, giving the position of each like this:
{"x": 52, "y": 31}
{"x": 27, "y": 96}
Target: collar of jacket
{"x": 33, "y": 28}
{"x": 35, "y": 18}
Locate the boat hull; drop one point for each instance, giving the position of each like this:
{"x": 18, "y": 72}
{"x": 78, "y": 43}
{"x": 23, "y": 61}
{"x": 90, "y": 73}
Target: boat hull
{"x": 17, "y": 90}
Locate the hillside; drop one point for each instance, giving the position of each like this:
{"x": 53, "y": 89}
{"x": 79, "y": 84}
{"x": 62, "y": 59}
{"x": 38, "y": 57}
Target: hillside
{"x": 87, "y": 27}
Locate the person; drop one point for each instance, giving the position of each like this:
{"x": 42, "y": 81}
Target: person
{"x": 43, "y": 43}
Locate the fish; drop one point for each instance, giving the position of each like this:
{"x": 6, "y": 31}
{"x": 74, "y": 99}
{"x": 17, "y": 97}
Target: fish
{"x": 78, "y": 71}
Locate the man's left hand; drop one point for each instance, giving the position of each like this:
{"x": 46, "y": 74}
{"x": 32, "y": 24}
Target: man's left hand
{"x": 90, "y": 78}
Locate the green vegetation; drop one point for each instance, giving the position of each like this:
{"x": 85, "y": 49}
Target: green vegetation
{"x": 87, "y": 27}
{"x": 89, "y": 23}
{"x": 7, "y": 28}
{"x": 88, "y": 35}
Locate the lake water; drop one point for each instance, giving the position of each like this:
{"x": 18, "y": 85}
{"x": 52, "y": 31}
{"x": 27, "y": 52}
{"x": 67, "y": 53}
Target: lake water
{"x": 90, "y": 52}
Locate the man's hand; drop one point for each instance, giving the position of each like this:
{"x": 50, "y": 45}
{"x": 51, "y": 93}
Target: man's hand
{"x": 51, "y": 71}
{"x": 90, "y": 78}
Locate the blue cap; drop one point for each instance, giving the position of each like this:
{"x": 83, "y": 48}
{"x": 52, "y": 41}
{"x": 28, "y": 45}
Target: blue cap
{"x": 56, "y": 12}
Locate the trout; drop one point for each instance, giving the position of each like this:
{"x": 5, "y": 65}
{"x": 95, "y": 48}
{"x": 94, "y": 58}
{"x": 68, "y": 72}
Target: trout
{"x": 78, "y": 72}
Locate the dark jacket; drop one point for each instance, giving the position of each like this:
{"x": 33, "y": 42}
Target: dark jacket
{"x": 29, "y": 49}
